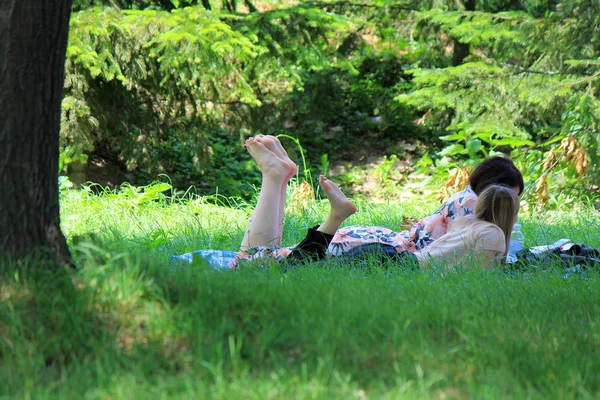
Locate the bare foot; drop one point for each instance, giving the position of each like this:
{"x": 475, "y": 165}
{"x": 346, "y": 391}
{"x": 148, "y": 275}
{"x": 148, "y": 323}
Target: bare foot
{"x": 341, "y": 206}
{"x": 273, "y": 144}
{"x": 270, "y": 165}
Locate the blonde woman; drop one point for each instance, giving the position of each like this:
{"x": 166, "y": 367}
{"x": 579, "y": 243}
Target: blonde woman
{"x": 485, "y": 234}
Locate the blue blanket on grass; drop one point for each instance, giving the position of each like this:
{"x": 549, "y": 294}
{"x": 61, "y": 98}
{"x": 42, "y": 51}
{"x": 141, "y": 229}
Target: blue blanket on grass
{"x": 217, "y": 259}
{"x": 573, "y": 256}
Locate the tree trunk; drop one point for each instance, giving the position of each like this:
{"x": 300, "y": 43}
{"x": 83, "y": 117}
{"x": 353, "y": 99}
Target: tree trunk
{"x": 167, "y": 5}
{"x": 32, "y": 62}
{"x": 462, "y": 50}
{"x": 206, "y": 4}
{"x": 250, "y": 6}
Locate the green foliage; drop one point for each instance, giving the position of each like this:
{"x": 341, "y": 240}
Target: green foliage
{"x": 347, "y": 102}
{"x": 153, "y": 85}
{"x": 136, "y": 75}
{"x": 527, "y": 72}
{"x": 140, "y": 195}
{"x": 162, "y": 88}
{"x": 235, "y": 173}
{"x": 166, "y": 5}
{"x": 582, "y": 119}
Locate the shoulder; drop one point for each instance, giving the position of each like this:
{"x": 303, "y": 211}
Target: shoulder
{"x": 484, "y": 227}
{"x": 466, "y": 193}
{"x": 463, "y": 200}
{"x": 467, "y": 223}
{"x": 489, "y": 236}
{"x": 467, "y": 197}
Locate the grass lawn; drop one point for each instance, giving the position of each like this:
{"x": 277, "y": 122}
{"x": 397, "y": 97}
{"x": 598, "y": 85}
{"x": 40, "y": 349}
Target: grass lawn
{"x": 130, "y": 324}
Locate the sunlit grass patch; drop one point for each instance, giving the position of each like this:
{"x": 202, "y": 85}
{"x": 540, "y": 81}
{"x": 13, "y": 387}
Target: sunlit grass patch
{"x": 322, "y": 329}
{"x": 129, "y": 323}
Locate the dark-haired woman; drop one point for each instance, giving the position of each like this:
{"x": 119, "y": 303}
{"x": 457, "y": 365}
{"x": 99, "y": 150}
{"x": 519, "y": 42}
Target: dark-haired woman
{"x": 494, "y": 170}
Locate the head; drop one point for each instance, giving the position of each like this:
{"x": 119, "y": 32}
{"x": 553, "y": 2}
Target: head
{"x": 499, "y": 205}
{"x": 496, "y": 170}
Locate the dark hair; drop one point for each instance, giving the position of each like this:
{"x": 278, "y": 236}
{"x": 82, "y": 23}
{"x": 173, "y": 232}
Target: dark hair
{"x": 496, "y": 170}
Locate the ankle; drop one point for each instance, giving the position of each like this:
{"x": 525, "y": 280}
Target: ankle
{"x": 339, "y": 216}
{"x": 275, "y": 175}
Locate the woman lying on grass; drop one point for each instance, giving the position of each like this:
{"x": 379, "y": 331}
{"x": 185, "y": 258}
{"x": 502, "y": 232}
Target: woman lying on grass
{"x": 486, "y": 233}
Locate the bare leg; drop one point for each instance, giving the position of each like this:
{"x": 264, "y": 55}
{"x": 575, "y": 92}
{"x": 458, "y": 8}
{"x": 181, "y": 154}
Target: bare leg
{"x": 315, "y": 244}
{"x": 263, "y": 226}
{"x": 273, "y": 144}
{"x": 341, "y": 206}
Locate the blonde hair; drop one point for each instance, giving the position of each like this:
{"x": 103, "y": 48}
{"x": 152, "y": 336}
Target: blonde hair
{"x": 499, "y": 205}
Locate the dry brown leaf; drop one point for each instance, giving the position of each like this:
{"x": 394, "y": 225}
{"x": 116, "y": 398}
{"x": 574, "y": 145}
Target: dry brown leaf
{"x": 581, "y": 161}
{"x": 458, "y": 179}
{"x": 462, "y": 179}
{"x": 452, "y": 178}
{"x": 541, "y": 190}
{"x": 443, "y": 194}
{"x": 302, "y": 195}
{"x": 550, "y": 160}
{"x": 574, "y": 154}
{"x": 569, "y": 146}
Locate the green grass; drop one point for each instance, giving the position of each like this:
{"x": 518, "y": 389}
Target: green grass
{"x": 129, "y": 325}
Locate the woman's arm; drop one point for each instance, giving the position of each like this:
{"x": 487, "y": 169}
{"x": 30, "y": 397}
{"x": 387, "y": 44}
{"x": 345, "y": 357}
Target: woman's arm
{"x": 434, "y": 226}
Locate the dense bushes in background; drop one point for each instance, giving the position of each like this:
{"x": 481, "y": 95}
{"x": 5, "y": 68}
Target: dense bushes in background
{"x": 149, "y": 85}
{"x": 154, "y": 86}
{"x": 529, "y": 81}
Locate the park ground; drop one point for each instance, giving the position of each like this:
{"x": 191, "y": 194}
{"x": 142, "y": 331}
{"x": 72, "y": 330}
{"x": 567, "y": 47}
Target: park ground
{"x": 129, "y": 323}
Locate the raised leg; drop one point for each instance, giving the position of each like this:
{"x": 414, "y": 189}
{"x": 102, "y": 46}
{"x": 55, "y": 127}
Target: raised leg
{"x": 315, "y": 244}
{"x": 341, "y": 206}
{"x": 273, "y": 144}
{"x": 263, "y": 228}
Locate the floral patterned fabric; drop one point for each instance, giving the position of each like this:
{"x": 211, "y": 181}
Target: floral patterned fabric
{"x": 420, "y": 235}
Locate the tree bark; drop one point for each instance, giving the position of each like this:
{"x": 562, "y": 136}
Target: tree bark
{"x": 206, "y": 4}
{"x": 250, "y": 6}
{"x": 462, "y": 50}
{"x": 32, "y": 63}
{"x": 167, "y": 5}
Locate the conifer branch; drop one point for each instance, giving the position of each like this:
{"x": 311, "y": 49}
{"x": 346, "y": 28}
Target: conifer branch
{"x": 343, "y": 3}
{"x": 521, "y": 70}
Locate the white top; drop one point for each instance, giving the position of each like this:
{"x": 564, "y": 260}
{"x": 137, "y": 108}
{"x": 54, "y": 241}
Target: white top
{"x": 466, "y": 236}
